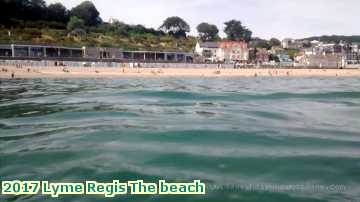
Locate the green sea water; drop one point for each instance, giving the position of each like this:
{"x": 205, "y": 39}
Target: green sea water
{"x": 248, "y": 139}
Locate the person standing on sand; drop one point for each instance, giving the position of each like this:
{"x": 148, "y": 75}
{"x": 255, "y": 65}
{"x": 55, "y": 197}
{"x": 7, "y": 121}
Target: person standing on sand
{"x": 236, "y": 66}
{"x": 12, "y": 75}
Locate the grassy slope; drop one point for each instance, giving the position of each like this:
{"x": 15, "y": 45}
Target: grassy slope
{"x": 60, "y": 37}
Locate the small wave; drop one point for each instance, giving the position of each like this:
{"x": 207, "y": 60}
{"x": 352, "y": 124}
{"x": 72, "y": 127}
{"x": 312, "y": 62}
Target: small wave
{"x": 28, "y": 110}
{"x": 284, "y": 95}
{"x": 205, "y": 113}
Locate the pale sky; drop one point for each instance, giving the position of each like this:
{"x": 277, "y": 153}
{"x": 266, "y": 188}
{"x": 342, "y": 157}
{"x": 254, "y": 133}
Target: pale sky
{"x": 266, "y": 18}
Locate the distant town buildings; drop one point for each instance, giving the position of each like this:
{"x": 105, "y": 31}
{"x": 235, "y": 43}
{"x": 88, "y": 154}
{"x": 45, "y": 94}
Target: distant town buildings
{"x": 298, "y": 53}
{"x": 319, "y": 54}
{"x": 320, "y": 61}
{"x": 329, "y": 55}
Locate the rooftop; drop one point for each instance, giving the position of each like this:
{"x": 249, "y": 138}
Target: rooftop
{"x": 209, "y": 44}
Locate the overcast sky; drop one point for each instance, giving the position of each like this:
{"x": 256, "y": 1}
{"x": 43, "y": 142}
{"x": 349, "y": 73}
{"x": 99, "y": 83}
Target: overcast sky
{"x": 266, "y": 18}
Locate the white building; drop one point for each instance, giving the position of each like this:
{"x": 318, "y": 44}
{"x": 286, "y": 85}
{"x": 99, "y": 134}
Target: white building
{"x": 113, "y": 20}
{"x": 292, "y": 44}
{"x": 355, "y": 48}
{"x": 210, "y": 51}
{"x": 234, "y": 51}
{"x": 286, "y": 42}
{"x": 224, "y": 51}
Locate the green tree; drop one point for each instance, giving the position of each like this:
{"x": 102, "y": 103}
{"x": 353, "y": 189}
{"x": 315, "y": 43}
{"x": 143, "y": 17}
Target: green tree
{"x": 208, "y": 32}
{"x": 88, "y": 12}
{"x": 36, "y": 9}
{"x": 6, "y": 10}
{"x": 273, "y": 57}
{"x": 22, "y": 10}
{"x": 175, "y": 26}
{"x": 58, "y": 12}
{"x": 75, "y": 23}
{"x": 275, "y": 42}
{"x": 263, "y": 44}
{"x": 236, "y": 31}
{"x": 259, "y": 43}
{"x": 292, "y": 53}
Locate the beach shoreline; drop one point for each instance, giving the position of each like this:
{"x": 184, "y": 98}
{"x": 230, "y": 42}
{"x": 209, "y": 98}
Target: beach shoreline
{"x": 99, "y": 72}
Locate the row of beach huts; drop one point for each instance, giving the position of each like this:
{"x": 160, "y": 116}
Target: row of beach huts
{"x": 19, "y": 51}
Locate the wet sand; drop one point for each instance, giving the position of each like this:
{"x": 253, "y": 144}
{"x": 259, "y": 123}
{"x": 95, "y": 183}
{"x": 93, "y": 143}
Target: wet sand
{"x": 92, "y": 72}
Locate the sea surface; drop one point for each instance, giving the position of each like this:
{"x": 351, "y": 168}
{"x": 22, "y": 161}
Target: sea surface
{"x": 248, "y": 139}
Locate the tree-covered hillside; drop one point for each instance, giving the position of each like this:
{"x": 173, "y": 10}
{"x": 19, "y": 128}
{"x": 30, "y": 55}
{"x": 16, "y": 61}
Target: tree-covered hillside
{"x": 33, "y": 21}
{"x": 336, "y": 38}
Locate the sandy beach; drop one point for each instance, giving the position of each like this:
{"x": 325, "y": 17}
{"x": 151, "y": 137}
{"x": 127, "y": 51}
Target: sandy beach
{"x": 92, "y": 72}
